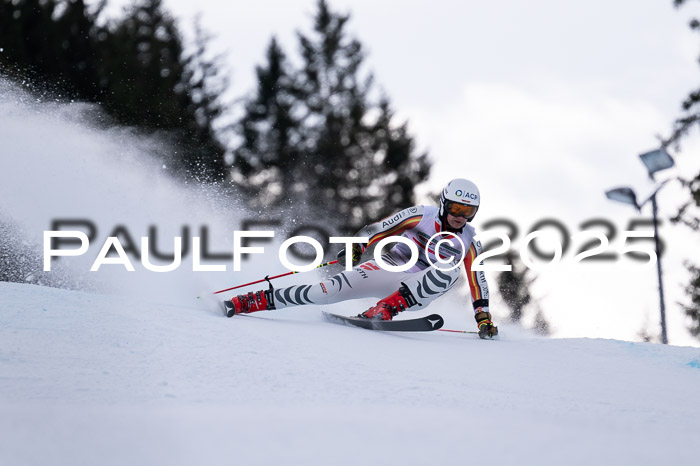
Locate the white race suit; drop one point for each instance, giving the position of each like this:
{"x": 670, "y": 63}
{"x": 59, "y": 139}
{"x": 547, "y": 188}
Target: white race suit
{"x": 422, "y": 225}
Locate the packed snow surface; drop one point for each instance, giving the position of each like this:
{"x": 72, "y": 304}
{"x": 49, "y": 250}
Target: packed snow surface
{"x": 98, "y": 379}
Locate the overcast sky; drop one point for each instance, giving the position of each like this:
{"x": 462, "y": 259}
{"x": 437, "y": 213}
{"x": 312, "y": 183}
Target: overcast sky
{"x": 544, "y": 104}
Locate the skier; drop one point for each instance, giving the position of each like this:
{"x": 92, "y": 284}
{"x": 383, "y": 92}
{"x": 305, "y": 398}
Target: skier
{"x": 428, "y": 279}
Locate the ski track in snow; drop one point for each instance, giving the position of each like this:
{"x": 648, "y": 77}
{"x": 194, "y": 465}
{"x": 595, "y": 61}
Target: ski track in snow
{"x": 98, "y": 379}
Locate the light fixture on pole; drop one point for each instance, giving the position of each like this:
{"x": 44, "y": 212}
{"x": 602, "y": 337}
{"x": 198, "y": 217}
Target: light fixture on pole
{"x": 655, "y": 161}
{"x": 625, "y": 195}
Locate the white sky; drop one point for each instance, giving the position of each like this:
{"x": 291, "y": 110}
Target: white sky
{"x": 544, "y": 104}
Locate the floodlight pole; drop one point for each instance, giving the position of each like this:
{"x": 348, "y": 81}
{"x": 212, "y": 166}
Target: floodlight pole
{"x": 664, "y": 337}
{"x": 655, "y": 161}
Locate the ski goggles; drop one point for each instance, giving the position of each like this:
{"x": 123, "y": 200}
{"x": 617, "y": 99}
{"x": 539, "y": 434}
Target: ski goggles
{"x": 460, "y": 210}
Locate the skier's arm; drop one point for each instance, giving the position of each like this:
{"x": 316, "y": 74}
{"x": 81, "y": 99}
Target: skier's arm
{"x": 393, "y": 225}
{"x": 480, "y": 293}
{"x": 477, "y": 279}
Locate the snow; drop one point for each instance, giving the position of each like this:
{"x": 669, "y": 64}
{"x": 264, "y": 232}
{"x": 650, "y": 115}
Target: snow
{"x": 102, "y": 379}
{"x": 153, "y": 375}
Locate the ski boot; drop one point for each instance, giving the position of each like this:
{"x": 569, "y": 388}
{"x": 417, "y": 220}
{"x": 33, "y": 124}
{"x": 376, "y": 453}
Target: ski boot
{"x": 390, "y": 306}
{"x": 251, "y": 302}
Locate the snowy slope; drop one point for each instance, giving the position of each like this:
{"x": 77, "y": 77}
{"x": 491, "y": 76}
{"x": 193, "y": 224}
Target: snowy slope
{"x": 96, "y": 379}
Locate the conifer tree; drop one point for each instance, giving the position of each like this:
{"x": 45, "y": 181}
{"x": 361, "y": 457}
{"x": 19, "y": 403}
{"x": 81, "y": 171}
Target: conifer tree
{"x": 693, "y": 308}
{"x": 688, "y": 213}
{"x": 319, "y": 135}
{"x": 135, "y": 67}
{"x": 159, "y": 91}
{"x": 265, "y": 161}
{"x": 347, "y": 148}
{"x": 513, "y": 286}
{"x": 54, "y": 44}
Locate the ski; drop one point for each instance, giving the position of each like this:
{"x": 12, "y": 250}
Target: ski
{"x": 421, "y": 324}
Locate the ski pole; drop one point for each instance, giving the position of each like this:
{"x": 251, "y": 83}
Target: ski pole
{"x": 456, "y": 331}
{"x": 272, "y": 278}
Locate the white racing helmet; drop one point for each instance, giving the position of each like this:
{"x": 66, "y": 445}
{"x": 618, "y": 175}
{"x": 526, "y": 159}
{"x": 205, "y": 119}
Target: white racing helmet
{"x": 460, "y": 198}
